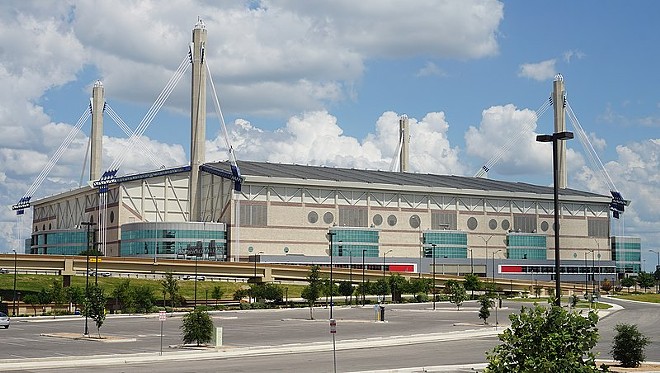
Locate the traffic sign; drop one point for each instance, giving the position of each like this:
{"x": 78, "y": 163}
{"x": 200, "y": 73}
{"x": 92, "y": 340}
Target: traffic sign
{"x": 162, "y": 316}
{"x": 94, "y": 260}
{"x": 333, "y": 326}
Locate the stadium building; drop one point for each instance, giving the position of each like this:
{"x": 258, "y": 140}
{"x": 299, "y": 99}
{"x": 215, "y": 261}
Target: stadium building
{"x": 296, "y": 214}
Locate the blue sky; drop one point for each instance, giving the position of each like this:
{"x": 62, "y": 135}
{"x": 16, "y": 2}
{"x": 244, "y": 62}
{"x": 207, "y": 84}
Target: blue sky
{"x": 320, "y": 82}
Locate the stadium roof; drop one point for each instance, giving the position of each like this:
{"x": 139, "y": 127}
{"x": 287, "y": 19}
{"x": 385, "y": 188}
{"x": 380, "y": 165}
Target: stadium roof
{"x": 323, "y": 173}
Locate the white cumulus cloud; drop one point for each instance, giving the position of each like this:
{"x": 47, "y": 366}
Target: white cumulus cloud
{"x": 538, "y": 71}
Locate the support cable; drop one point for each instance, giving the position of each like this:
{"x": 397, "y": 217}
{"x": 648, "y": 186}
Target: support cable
{"x": 514, "y": 140}
{"x": 58, "y": 154}
{"x": 127, "y": 130}
{"x": 146, "y": 121}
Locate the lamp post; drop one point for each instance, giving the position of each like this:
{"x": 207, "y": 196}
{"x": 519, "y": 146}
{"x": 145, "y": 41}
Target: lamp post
{"x": 486, "y": 256}
{"x": 433, "y": 291}
{"x": 88, "y": 224}
{"x": 13, "y": 307}
{"x": 330, "y": 237}
{"x": 495, "y": 252}
{"x": 586, "y": 274}
{"x": 554, "y": 138}
{"x": 350, "y": 272}
{"x": 363, "y": 293}
{"x": 384, "y": 255}
{"x": 471, "y": 262}
{"x": 657, "y": 267}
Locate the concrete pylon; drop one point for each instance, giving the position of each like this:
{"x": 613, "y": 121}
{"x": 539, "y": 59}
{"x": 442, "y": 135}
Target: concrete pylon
{"x": 559, "y": 103}
{"x": 404, "y": 139}
{"x": 96, "y": 136}
{"x": 197, "y": 117}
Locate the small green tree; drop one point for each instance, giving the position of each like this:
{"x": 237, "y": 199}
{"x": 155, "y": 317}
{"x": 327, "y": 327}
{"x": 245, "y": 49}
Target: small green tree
{"x": 44, "y": 297}
{"x": 628, "y": 345}
{"x": 32, "y": 300}
{"x": 75, "y": 295}
{"x": 197, "y": 326}
{"x": 312, "y": 291}
{"x": 628, "y": 282}
{"x": 457, "y": 293}
{"x": 472, "y": 283}
{"x": 95, "y": 306}
{"x": 57, "y": 292}
{"x": 486, "y": 303}
{"x": 546, "y": 339}
{"x": 645, "y": 280}
{"x": 143, "y": 298}
{"x": 266, "y": 292}
{"x": 346, "y": 289}
{"x": 397, "y": 285}
{"x": 381, "y": 288}
{"x": 123, "y": 296}
{"x": 171, "y": 286}
{"x": 217, "y": 293}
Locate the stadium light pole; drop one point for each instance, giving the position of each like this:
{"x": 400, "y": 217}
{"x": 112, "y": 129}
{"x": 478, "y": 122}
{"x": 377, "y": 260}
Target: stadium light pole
{"x": 494, "y": 252}
{"x": 88, "y": 224}
{"x": 433, "y": 291}
{"x": 657, "y": 267}
{"x": 554, "y": 138}
{"x": 13, "y": 307}
{"x": 331, "y": 234}
{"x": 363, "y": 292}
{"x": 486, "y": 256}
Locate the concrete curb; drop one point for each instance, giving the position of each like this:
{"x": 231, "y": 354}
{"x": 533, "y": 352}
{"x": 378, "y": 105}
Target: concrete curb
{"x": 228, "y": 352}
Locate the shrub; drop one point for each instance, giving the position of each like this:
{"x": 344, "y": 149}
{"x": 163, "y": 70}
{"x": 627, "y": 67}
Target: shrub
{"x": 628, "y": 345}
{"x": 546, "y": 339}
{"x": 197, "y": 327}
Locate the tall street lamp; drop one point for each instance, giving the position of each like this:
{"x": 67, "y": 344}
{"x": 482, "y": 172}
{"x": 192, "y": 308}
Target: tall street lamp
{"x": 363, "y": 293}
{"x": 384, "y": 255}
{"x": 13, "y": 307}
{"x": 486, "y": 256}
{"x": 554, "y": 138}
{"x": 350, "y": 272}
{"x": 433, "y": 292}
{"x": 330, "y": 237}
{"x": 600, "y": 271}
{"x": 88, "y": 224}
{"x": 657, "y": 266}
{"x": 495, "y": 252}
{"x": 471, "y": 262}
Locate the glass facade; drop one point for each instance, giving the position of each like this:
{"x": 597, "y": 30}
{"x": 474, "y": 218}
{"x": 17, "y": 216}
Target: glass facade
{"x": 526, "y": 246}
{"x": 203, "y": 240}
{"x": 60, "y": 242}
{"x": 627, "y": 253}
{"x": 352, "y": 241}
{"x": 448, "y": 244}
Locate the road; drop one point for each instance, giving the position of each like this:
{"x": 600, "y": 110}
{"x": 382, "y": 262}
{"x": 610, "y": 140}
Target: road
{"x": 362, "y": 344}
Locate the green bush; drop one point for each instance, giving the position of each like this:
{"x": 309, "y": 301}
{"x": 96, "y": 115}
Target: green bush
{"x": 628, "y": 345}
{"x": 197, "y": 327}
{"x": 546, "y": 339}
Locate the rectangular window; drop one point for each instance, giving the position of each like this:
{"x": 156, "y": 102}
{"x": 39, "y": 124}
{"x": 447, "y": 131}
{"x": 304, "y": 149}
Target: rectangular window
{"x": 524, "y": 223}
{"x": 443, "y": 220}
{"x": 353, "y": 217}
{"x": 253, "y": 214}
{"x": 598, "y": 227}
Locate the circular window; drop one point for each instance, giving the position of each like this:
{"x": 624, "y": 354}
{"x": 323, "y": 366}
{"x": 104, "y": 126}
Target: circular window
{"x": 391, "y": 220}
{"x": 553, "y": 226}
{"x": 312, "y": 217}
{"x": 544, "y": 226}
{"x": 505, "y": 224}
{"x": 492, "y": 224}
{"x": 112, "y": 216}
{"x": 574, "y": 255}
{"x": 378, "y": 219}
{"x": 472, "y": 223}
{"x": 328, "y": 218}
{"x": 414, "y": 221}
